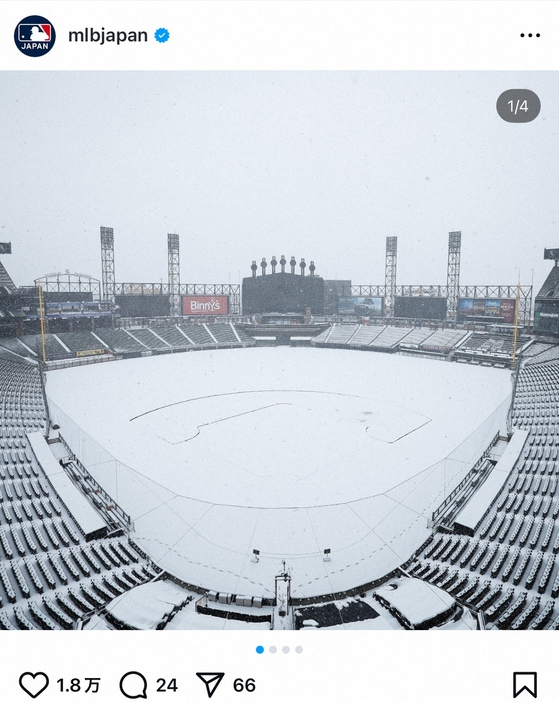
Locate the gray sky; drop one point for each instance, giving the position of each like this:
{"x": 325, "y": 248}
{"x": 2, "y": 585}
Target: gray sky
{"x": 244, "y": 165}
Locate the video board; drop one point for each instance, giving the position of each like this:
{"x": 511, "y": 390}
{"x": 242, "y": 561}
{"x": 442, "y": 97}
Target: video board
{"x": 283, "y": 293}
{"x": 361, "y": 306}
{"x": 420, "y": 307}
{"x": 143, "y": 305}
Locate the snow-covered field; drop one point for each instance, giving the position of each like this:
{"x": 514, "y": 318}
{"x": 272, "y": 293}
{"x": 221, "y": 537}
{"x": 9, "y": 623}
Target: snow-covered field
{"x": 289, "y": 451}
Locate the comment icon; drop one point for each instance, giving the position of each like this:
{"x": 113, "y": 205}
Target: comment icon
{"x": 133, "y": 685}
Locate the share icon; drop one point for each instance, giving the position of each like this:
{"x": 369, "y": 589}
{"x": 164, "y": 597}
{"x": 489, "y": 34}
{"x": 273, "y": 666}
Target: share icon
{"x": 211, "y": 681}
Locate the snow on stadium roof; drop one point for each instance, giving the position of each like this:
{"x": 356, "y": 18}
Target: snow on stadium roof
{"x": 81, "y": 510}
{"x": 477, "y": 507}
{"x": 146, "y": 606}
{"x": 416, "y": 600}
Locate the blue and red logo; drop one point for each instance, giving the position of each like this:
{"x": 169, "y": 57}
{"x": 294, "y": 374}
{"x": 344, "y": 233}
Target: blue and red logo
{"x": 34, "y": 36}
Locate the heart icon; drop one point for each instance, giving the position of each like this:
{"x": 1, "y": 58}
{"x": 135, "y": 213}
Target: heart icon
{"x": 34, "y": 683}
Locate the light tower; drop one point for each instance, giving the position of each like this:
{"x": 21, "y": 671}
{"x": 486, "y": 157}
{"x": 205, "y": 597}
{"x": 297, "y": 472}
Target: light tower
{"x": 453, "y": 274}
{"x": 108, "y": 264}
{"x": 174, "y": 274}
{"x": 390, "y": 275}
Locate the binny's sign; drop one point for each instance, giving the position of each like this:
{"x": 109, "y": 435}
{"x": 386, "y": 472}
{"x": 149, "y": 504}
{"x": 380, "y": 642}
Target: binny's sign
{"x": 205, "y": 304}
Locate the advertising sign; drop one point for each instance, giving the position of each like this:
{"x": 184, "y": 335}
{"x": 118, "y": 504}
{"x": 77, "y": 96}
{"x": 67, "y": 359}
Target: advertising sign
{"x": 508, "y": 310}
{"x": 481, "y": 307}
{"x": 361, "y": 306}
{"x": 92, "y": 352}
{"x": 205, "y": 304}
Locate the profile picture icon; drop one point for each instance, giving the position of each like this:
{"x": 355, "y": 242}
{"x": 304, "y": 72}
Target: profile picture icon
{"x": 34, "y": 36}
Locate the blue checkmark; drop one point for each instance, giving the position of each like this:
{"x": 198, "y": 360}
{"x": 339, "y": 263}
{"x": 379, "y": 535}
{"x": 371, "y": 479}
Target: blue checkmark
{"x": 162, "y": 35}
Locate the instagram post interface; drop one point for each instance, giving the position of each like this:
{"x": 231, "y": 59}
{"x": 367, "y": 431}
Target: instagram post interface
{"x": 278, "y": 359}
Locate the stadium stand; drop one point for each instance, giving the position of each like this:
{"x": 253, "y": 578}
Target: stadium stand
{"x": 198, "y": 335}
{"x": 126, "y": 342}
{"x": 394, "y": 338}
{"x": 7, "y": 285}
{"x": 174, "y": 337}
{"x": 342, "y": 333}
{"x": 514, "y": 540}
{"x": 508, "y": 570}
{"x": 322, "y": 338}
{"x": 80, "y": 341}
{"x": 489, "y": 347}
{"x": 42, "y": 546}
{"x": 391, "y": 337}
{"x": 364, "y": 336}
{"x": 477, "y": 347}
{"x": 149, "y": 339}
{"x": 443, "y": 340}
{"x": 11, "y": 304}
{"x": 53, "y": 346}
{"x": 120, "y": 341}
{"x": 17, "y": 347}
{"x": 244, "y": 338}
{"x": 416, "y": 337}
{"x": 223, "y": 334}
{"x": 549, "y": 354}
{"x": 535, "y": 348}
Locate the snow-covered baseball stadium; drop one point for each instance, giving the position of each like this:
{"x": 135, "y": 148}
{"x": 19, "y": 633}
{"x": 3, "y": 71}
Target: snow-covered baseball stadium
{"x": 334, "y": 472}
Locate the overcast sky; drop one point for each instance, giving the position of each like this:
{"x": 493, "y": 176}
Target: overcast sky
{"x": 242, "y": 166}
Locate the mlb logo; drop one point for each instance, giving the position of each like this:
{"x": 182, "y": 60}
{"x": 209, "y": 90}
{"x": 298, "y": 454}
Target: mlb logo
{"x": 34, "y": 36}
{"x": 34, "y": 32}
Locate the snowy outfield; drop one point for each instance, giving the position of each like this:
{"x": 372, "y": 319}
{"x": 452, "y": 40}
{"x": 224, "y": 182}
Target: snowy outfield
{"x": 289, "y": 451}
